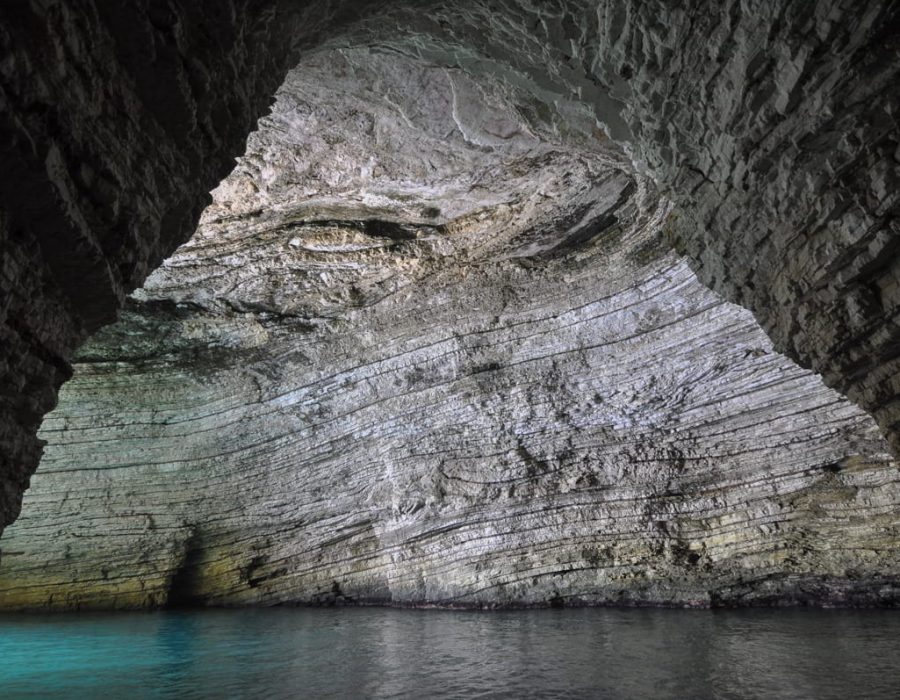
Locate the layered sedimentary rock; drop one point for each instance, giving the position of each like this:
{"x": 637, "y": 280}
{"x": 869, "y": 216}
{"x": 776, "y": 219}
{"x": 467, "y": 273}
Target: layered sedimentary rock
{"x": 117, "y": 117}
{"x": 110, "y": 142}
{"x": 772, "y": 126}
{"x": 792, "y": 162}
{"x": 429, "y": 346}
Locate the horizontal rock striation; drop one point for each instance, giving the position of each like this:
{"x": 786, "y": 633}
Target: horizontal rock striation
{"x": 520, "y": 435}
{"x": 787, "y": 176}
{"x": 428, "y": 347}
{"x": 770, "y": 125}
{"x": 116, "y": 120}
{"x": 428, "y": 344}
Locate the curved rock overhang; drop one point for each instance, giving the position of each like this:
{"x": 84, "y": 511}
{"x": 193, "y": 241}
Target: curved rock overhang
{"x": 430, "y": 345}
{"x": 117, "y": 119}
{"x": 769, "y": 130}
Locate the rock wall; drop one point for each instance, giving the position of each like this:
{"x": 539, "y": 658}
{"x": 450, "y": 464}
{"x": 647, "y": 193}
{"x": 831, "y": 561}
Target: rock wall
{"x": 564, "y": 443}
{"x": 770, "y": 130}
{"x": 116, "y": 120}
{"x": 772, "y": 126}
{"x": 778, "y": 134}
{"x": 429, "y": 348}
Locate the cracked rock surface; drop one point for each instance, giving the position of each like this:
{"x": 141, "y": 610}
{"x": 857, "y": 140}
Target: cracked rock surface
{"x": 430, "y": 345}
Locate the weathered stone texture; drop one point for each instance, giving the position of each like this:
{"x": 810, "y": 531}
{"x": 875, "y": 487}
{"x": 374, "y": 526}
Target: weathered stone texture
{"x": 557, "y": 445}
{"x": 773, "y": 127}
{"x": 778, "y": 135}
{"x": 116, "y": 120}
{"x": 438, "y": 176}
{"x": 443, "y": 358}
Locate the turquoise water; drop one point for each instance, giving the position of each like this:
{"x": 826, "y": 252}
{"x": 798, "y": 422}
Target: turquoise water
{"x": 384, "y": 653}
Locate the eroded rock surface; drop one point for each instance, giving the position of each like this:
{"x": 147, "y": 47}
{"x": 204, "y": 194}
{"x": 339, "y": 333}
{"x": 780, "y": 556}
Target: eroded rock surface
{"x": 430, "y": 345}
{"x": 772, "y": 126}
{"x": 117, "y": 117}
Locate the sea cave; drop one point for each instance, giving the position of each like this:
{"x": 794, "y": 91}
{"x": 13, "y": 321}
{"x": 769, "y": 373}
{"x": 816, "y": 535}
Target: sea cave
{"x": 492, "y": 305}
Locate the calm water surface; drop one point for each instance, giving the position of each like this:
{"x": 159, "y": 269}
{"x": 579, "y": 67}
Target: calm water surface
{"x": 383, "y": 653}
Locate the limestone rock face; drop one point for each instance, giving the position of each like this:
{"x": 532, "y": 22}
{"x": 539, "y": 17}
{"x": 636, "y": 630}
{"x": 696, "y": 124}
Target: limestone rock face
{"x": 788, "y": 176}
{"x": 771, "y": 126}
{"x": 113, "y": 129}
{"x": 430, "y": 345}
{"x": 117, "y": 117}
{"x": 437, "y": 337}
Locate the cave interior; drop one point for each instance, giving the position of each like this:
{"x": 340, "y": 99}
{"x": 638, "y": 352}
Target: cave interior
{"x": 469, "y": 304}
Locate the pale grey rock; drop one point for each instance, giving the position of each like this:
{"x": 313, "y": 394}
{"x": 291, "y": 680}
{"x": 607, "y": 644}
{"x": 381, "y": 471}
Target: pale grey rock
{"x": 426, "y": 349}
{"x": 772, "y": 126}
{"x": 759, "y": 139}
{"x": 117, "y": 117}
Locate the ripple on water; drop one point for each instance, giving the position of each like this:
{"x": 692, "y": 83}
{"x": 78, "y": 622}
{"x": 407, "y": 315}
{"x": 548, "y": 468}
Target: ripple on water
{"x": 385, "y": 653}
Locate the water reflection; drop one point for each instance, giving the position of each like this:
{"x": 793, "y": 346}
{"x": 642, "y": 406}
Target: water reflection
{"x": 175, "y": 640}
{"x": 376, "y": 653}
